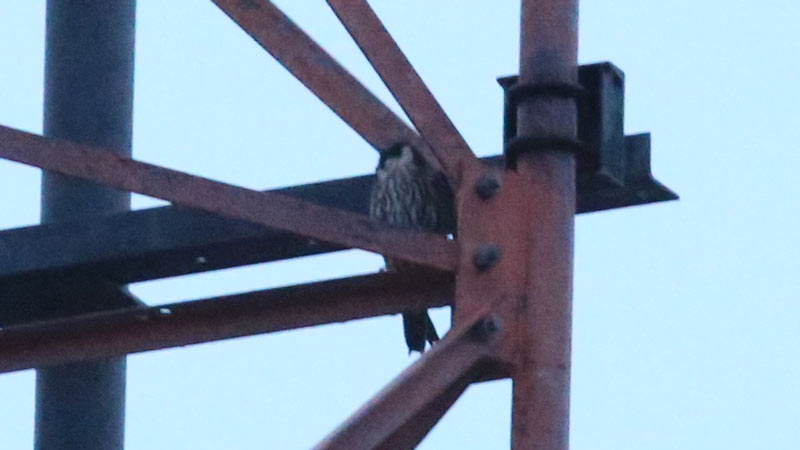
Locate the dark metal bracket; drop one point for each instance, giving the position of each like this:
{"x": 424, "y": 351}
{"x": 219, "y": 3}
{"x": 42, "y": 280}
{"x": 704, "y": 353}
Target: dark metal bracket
{"x": 614, "y": 167}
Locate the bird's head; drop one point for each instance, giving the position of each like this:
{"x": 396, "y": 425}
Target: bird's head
{"x": 398, "y": 157}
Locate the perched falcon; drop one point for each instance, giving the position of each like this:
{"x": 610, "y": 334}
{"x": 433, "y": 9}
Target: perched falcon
{"x": 409, "y": 193}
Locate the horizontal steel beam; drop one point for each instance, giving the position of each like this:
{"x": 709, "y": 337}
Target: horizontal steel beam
{"x": 133, "y": 330}
{"x": 270, "y": 209}
{"x": 171, "y": 241}
{"x": 166, "y": 241}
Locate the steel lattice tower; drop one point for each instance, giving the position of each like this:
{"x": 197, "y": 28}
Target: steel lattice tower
{"x": 508, "y": 275}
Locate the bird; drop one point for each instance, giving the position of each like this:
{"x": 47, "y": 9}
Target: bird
{"x": 409, "y": 193}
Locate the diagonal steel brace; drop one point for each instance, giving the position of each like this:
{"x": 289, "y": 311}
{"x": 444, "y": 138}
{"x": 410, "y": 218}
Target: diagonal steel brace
{"x": 401, "y": 414}
{"x": 322, "y": 75}
{"x": 270, "y": 209}
{"x": 405, "y": 84}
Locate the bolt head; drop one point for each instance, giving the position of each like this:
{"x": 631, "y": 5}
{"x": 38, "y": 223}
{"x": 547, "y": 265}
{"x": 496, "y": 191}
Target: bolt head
{"x": 487, "y": 328}
{"x": 487, "y": 186}
{"x": 486, "y": 256}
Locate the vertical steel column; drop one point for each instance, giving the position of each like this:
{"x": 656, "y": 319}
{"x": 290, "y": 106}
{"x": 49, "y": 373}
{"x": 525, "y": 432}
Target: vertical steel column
{"x": 548, "y": 55}
{"x": 88, "y": 99}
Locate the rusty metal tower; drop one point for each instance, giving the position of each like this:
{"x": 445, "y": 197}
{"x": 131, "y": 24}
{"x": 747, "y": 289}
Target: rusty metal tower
{"x": 508, "y": 276}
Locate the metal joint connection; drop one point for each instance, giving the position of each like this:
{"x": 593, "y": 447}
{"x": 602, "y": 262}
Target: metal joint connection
{"x": 526, "y": 91}
{"x": 485, "y": 330}
{"x": 486, "y": 256}
{"x": 530, "y": 144}
{"x": 487, "y": 186}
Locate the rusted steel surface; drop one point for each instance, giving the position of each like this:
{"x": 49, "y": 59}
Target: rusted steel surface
{"x": 548, "y": 37}
{"x": 542, "y": 367}
{"x": 548, "y": 53}
{"x": 496, "y": 222}
{"x": 405, "y": 84}
{"x": 386, "y": 421}
{"x": 322, "y": 74}
{"x": 273, "y": 210}
{"x": 416, "y": 428}
{"x": 170, "y": 241}
{"x": 166, "y": 241}
{"x": 141, "y": 329}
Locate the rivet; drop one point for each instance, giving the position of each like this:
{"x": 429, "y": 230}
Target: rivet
{"x": 487, "y": 186}
{"x": 486, "y": 256}
{"x": 487, "y": 328}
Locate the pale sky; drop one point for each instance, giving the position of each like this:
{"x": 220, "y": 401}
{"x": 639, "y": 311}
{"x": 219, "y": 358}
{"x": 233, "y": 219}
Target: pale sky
{"x": 687, "y": 318}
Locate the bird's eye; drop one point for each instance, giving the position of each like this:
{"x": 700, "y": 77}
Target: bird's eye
{"x": 393, "y": 152}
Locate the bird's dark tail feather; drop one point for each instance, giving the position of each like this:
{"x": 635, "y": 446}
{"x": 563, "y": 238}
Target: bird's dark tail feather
{"x": 418, "y": 329}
